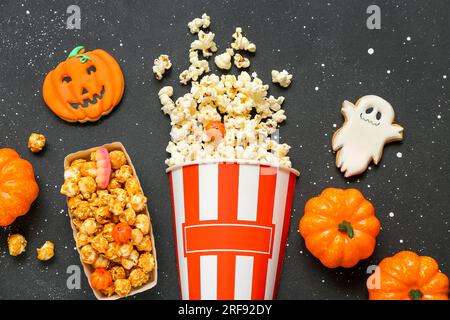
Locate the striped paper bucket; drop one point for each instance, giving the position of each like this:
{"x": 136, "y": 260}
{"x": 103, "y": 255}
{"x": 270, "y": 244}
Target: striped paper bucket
{"x": 231, "y": 221}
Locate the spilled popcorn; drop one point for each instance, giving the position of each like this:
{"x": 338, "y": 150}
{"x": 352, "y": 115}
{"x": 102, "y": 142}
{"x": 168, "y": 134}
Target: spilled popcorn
{"x": 160, "y": 65}
{"x": 283, "y": 78}
{"x": 223, "y": 117}
{"x": 199, "y": 23}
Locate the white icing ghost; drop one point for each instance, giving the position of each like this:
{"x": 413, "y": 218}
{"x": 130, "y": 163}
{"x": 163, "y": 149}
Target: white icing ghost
{"x": 367, "y": 128}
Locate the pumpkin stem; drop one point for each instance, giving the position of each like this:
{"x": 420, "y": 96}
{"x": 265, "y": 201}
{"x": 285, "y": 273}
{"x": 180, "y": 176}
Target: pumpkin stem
{"x": 346, "y": 227}
{"x": 415, "y": 294}
{"x": 78, "y": 52}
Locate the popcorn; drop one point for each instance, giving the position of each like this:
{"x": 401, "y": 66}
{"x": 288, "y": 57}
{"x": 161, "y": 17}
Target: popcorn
{"x": 248, "y": 114}
{"x": 164, "y": 97}
{"x": 223, "y": 61}
{"x": 125, "y": 249}
{"x": 36, "y": 142}
{"x": 205, "y": 43}
{"x": 100, "y": 243}
{"x": 95, "y": 213}
{"x": 70, "y": 188}
{"x": 138, "y": 202}
{"x": 196, "y": 69}
{"x": 82, "y": 239}
{"x": 87, "y": 186}
{"x": 101, "y": 262}
{"x": 122, "y": 287}
{"x": 72, "y": 173}
{"x": 136, "y": 236}
{"x": 46, "y": 252}
{"x": 88, "y": 254}
{"x": 89, "y": 226}
{"x": 241, "y": 62}
{"x": 199, "y": 23}
{"x": 160, "y": 65}
{"x": 283, "y": 78}
{"x": 128, "y": 216}
{"x": 16, "y": 244}
{"x": 146, "y": 262}
{"x": 124, "y": 173}
{"x": 102, "y": 215}
{"x": 138, "y": 277}
{"x": 88, "y": 169}
{"x": 131, "y": 260}
{"x": 82, "y": 211}
{"x": 143, "y": 223}
{"x": 145, "y": 244}
{"x": 241, "y": 42}
{"x": 132, "y": 186}
{"x": 117, "y": 159}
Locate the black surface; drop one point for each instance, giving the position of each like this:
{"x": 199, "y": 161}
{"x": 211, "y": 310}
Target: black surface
{"x": 297, "y": 35}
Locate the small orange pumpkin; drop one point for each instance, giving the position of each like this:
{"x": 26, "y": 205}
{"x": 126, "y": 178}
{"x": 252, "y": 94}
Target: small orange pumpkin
{"x": 18, "y": 188}
{"x": 101, "y": 279}
{"x": 121, "y": 232}
{"x": 84, "y": 87}
{"x": 339, "y": 227}
{"x": 407, "y": 276}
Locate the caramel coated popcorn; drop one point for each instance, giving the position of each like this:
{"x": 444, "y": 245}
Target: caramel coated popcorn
{"x": 36, "y": 142}
{"x": 95, "y": 212}
{"x": 46, "y": 252}
{"x": 16, "y": 244}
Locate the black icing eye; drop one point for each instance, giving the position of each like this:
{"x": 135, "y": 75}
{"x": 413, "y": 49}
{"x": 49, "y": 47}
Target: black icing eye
{"x": 369, "y": 110}
{"x": 91, "y": 69}
{"x": 378, "y": 116}
{"x": 67, "y": 79}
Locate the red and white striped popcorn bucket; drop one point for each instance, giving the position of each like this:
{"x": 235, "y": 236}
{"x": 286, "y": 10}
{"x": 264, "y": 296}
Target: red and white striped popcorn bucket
{"x": 231, "y": 221}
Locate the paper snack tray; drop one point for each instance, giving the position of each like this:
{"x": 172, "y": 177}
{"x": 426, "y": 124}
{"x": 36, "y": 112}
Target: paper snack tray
{"x": 85, "y": 154}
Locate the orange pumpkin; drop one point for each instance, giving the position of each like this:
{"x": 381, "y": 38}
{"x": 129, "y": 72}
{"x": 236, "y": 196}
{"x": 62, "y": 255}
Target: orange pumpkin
{"x": 101, "y": 279}
{"x": 121, "y": 232}
{"x": 84, "y": 87}
{"x": 407, "y": 276}
{"x": 18, "y": 188}
{"x": 339, "y": 227}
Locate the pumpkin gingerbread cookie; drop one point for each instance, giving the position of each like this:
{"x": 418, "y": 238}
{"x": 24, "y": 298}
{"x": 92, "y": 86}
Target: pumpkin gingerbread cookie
{"x": 84, "y": 87}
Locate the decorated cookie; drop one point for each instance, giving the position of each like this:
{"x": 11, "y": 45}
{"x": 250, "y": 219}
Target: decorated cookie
{"x": 367, "y": 128}
{"x": 84, "y": 87}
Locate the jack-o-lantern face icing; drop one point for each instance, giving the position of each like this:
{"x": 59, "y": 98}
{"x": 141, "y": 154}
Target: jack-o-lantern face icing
{"x": 84, "y": 87}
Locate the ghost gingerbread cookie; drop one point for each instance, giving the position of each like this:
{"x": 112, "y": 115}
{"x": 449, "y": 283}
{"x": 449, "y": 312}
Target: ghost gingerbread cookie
{"x": 84, "y": 87}
{"x": 368, "y": 126}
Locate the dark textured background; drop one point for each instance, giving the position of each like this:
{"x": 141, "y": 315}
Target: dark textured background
{"x": 323, "y": 43}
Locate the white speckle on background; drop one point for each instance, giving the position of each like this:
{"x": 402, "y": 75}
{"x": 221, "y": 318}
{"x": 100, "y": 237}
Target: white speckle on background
{"x": 399, "y": 155}
{"x": 401, "y": 240}
{"x": 444, "y": 76}
{"x": 408, "y": 38}
{"x": 439, "y": 116}
{"x": 391, "y": 214}
{"x": 370, "y": 51}
{"x": 316, "y": 88}
{"x": 388, "y": 71}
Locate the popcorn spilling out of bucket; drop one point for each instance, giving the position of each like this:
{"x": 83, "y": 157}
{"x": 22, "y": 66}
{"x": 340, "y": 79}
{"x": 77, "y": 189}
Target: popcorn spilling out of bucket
{"x": 231, "y": 181}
